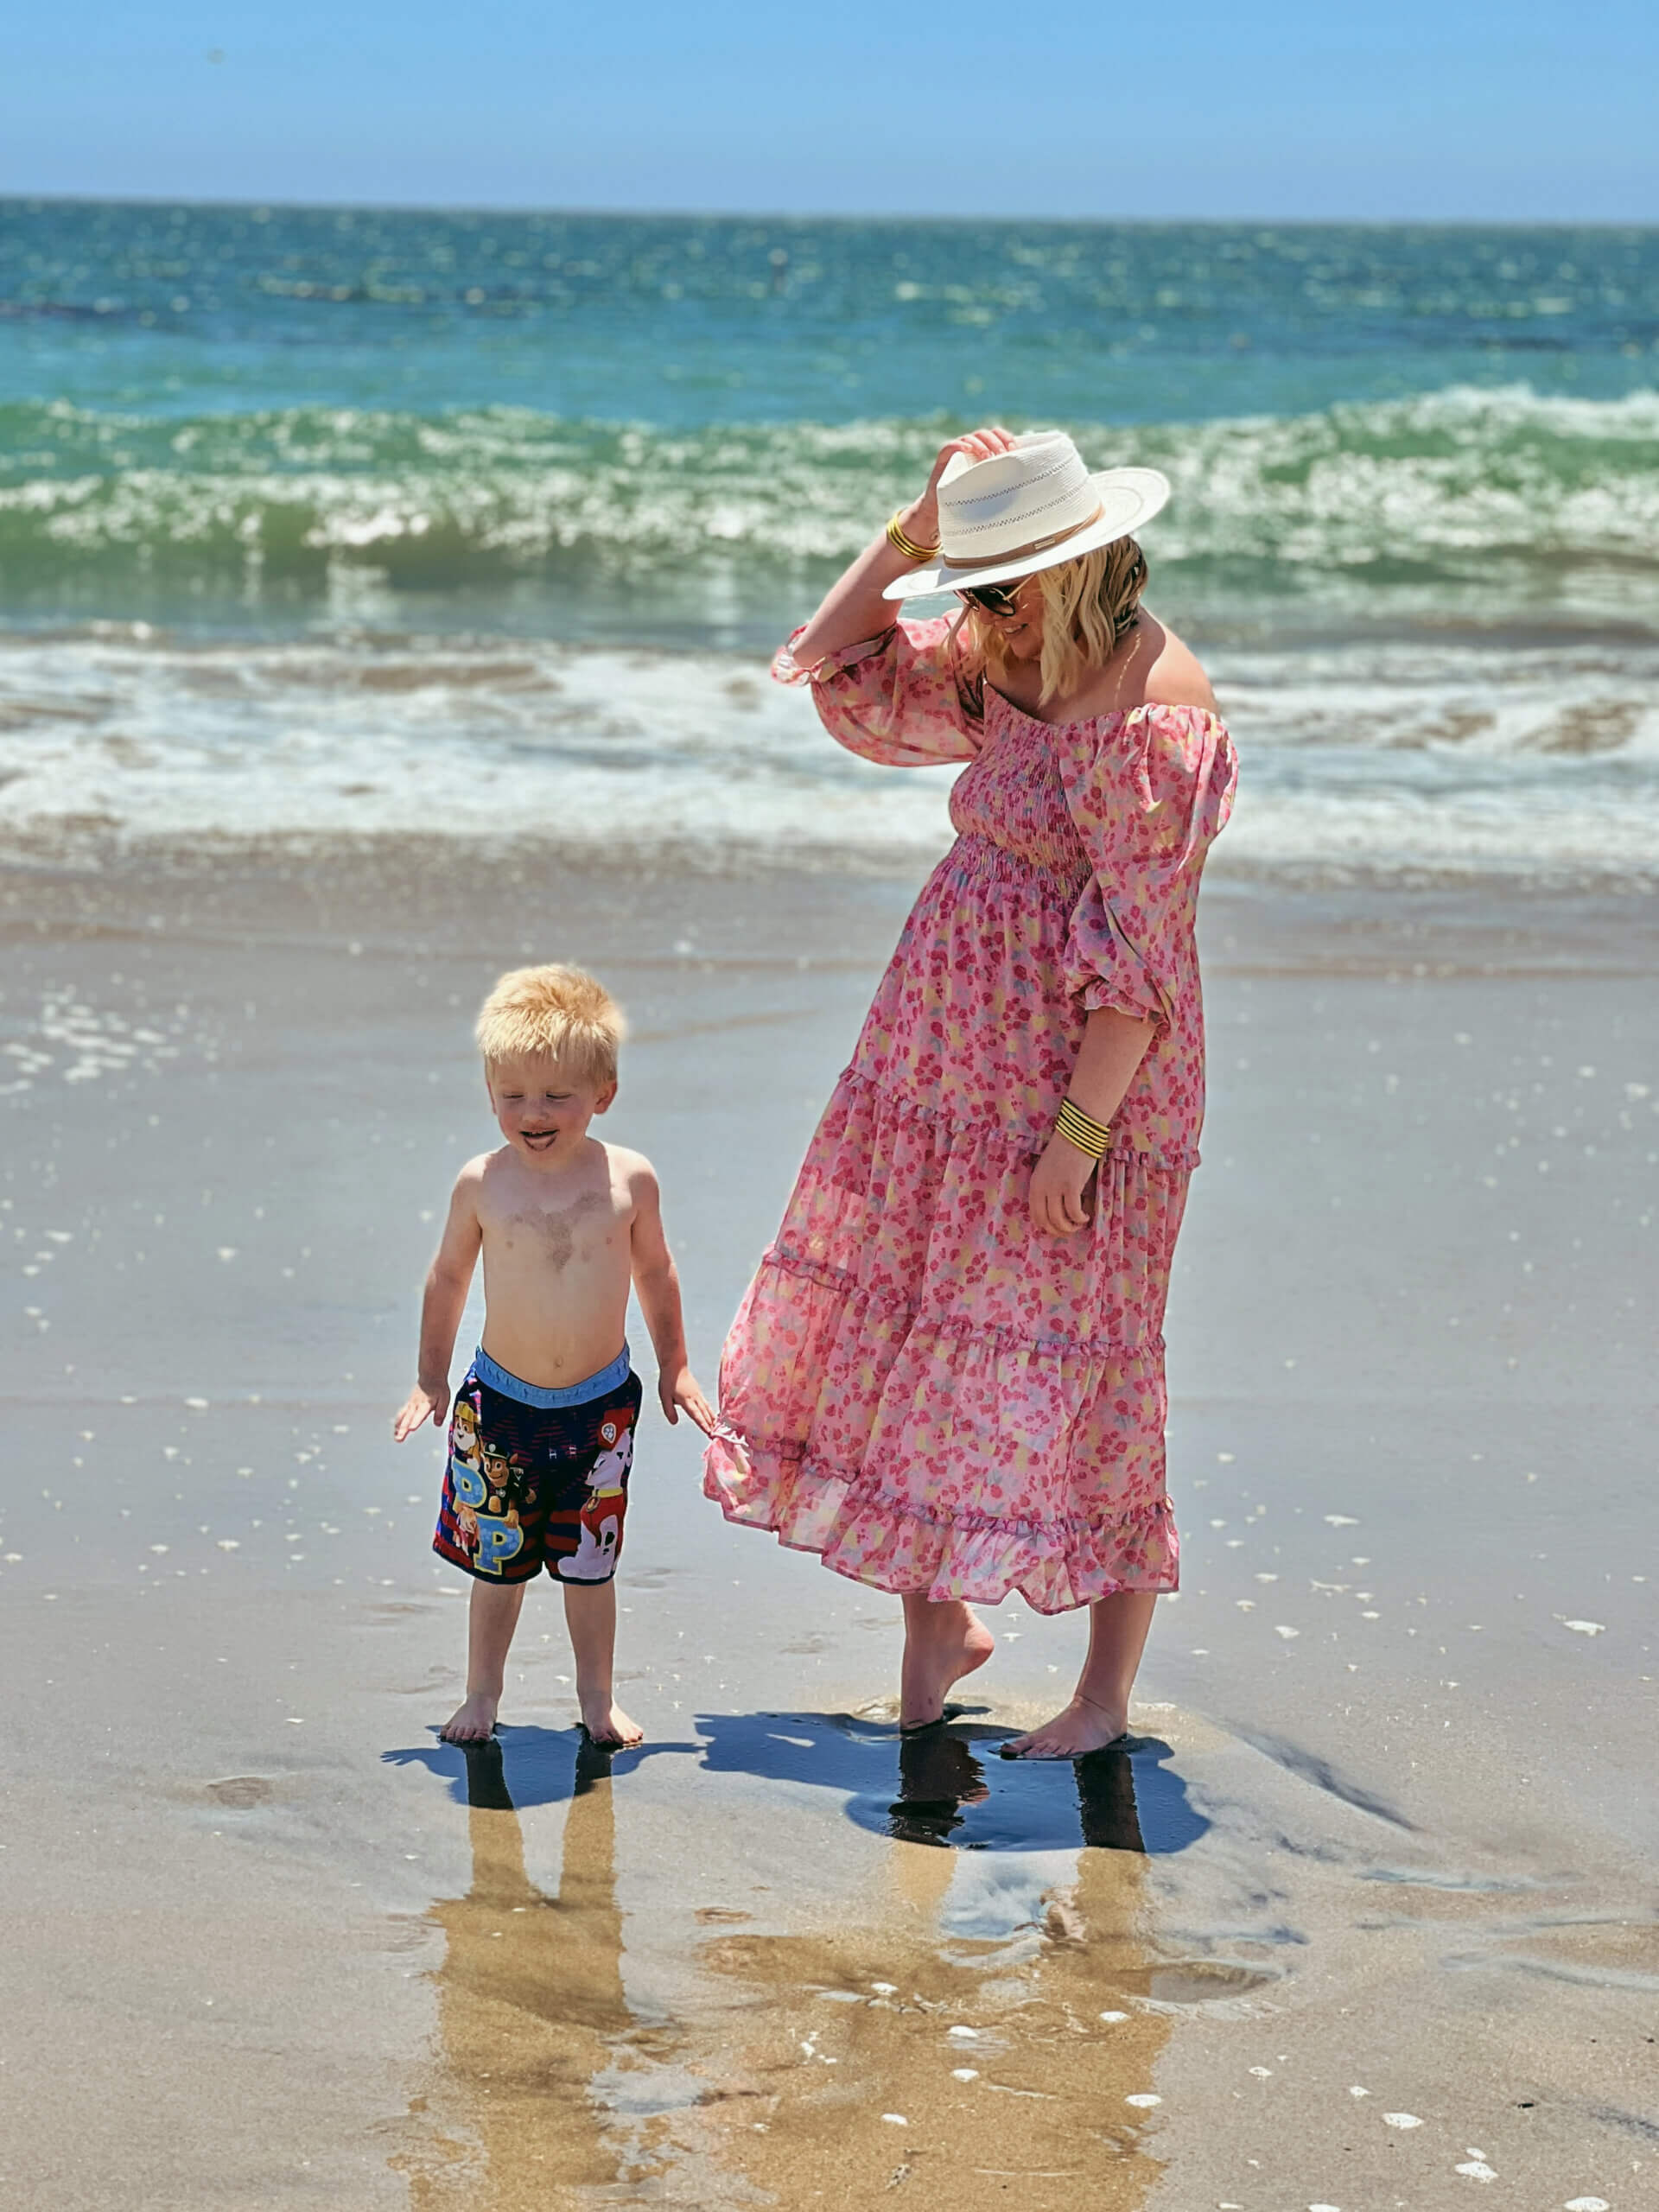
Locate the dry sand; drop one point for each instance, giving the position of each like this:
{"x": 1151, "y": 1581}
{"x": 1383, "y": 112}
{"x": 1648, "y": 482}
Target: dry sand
{"x": 1383, "y": 1857}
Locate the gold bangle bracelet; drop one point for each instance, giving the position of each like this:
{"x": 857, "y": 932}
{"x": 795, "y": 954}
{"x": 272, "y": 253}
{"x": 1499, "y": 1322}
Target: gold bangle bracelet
{"x": 1073, "y": 1112}
{"x": 1082, "y": 1130}
{"x": 901, "y": 543}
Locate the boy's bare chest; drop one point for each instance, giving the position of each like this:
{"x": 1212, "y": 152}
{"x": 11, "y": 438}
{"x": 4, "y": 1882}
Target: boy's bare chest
{"x": 587, "y": 1231}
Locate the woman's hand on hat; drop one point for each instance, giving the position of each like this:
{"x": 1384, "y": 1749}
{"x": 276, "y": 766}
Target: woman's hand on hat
{"x": 1059, "y": 1182}
{"x": 921, "y": 520}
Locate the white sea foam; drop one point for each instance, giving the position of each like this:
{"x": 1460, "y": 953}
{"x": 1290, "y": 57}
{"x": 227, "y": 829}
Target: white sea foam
{"x": 692, "y": 758}
{"x": 1453, "y": 761}
{"x": 1504, "y": 497}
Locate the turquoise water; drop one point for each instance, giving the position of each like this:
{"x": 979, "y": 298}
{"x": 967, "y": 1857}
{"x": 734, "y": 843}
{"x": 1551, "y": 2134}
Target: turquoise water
{"x": 1417, "y": 470}
{"x": 683, "y": 323}
{"x": 211, "y": 410}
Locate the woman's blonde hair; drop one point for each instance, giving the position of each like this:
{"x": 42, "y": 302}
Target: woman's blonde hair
{"x": 1089, "y": 606}
{"x": 554, "y": 1014}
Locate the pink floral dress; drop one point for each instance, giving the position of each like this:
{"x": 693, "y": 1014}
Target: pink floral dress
{"x": 919, "y": 1386}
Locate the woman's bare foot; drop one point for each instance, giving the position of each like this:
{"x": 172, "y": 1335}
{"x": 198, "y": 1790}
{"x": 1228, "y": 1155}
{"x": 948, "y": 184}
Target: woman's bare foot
{"x": 1083, "y": 1726}
{"x": 472, "y": 1722}
{"x": 608, "y": 1724}
{"x": 943, "y": 1643}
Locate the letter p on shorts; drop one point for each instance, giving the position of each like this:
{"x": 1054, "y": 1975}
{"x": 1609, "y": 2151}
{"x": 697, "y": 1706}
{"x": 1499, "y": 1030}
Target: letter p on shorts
{"x": 498, "y": 1541}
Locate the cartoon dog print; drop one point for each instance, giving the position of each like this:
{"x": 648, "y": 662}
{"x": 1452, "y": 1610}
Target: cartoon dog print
{"x": 491, "y": 1495}
{"x": 594, "y": 1557}
{"x": 464, "y": 1443}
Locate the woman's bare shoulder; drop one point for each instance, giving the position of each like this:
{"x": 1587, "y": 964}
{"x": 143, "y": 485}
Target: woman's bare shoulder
{"x": 1176, "y": 677}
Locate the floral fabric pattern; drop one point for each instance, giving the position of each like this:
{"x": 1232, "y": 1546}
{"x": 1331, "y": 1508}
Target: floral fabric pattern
{"x": 919, "y": 1386}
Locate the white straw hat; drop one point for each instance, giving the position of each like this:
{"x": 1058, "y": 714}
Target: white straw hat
{"x": 1026, "y": 509}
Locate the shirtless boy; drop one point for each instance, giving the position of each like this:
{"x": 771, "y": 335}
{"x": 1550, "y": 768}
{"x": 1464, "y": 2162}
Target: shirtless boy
{"x": 541, "y": 1439}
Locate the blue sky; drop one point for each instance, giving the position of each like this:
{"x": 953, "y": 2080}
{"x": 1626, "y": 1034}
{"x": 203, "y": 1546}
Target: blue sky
{"x": 1279, "y": 109}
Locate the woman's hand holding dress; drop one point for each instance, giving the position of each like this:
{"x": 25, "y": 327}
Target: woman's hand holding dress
{"x": 1060, "y": 1203}
{"x": 1114, "y": 1045}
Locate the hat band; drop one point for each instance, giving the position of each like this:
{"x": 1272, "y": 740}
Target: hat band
{"x": 1019, "y": 552}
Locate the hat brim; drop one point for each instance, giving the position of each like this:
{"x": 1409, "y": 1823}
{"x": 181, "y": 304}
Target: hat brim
{"x": 1128, "y": 498}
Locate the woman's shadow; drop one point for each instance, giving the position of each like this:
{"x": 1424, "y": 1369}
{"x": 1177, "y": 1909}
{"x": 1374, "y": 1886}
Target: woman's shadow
{"x": 945, "y": 1785}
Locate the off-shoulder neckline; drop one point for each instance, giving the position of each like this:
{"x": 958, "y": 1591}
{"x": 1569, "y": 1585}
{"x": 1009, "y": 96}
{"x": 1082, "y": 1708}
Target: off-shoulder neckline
{"x": 1111, "y": 714}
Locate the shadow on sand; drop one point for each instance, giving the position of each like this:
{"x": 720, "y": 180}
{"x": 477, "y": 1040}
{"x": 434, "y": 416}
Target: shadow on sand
{"x": 519, "y": 1768}
{"x": 943, "y": 1787}
{"x": 946, "y": 1786}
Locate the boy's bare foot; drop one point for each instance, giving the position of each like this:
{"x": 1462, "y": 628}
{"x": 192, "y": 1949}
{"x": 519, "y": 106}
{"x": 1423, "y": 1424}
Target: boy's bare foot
{"x": 943, "y": 1643}
{"x": 473, "y": 1721}
{"x": 1081, "y": 1727}
{"x": 608, "y": 1724}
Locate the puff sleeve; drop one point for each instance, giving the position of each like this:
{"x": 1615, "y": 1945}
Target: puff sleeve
{"x": 1148, "y": 792}
{"x": 893, "y": 699}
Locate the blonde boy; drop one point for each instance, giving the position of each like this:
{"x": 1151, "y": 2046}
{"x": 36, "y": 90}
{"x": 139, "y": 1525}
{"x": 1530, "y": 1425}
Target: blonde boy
{"x": 541, "y": 1439}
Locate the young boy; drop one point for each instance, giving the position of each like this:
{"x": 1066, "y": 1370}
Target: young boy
{"x": 542, "y": 1435}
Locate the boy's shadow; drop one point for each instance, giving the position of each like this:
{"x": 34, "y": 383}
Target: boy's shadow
{"x": 945, "y": 1786}
{"x": 518, "y": 1768}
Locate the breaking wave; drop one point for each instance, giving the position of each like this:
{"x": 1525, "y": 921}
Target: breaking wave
{"x": 1498, "y": 500}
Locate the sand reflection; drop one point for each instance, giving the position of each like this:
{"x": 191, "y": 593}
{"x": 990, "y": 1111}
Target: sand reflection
{"x": 948, "y": 2043}
{"x": 943, "y": 2035}
{"x": 530, "y": 1998}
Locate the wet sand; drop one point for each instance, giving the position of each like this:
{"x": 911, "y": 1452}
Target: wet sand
{"x": 1381, "y": 1854}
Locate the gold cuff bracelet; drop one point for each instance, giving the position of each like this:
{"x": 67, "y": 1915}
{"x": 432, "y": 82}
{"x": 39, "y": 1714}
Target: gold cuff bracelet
{"x": 1083, "y": 1130}
{"x": 900, "y": 544}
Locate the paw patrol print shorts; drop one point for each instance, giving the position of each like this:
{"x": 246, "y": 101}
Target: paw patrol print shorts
{"x": 539, "y": 1478}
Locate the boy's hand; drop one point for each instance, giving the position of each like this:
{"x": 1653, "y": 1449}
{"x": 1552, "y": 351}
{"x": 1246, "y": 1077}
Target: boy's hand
{"x": 683, "y": 1390}
{"x": 421, "y": 1405}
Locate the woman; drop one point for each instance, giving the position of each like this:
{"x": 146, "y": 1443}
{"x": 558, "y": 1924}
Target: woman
{"x": 947, "y": 1377}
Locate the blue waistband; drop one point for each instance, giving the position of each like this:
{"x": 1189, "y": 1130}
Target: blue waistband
{"x": 530, "y": 1394}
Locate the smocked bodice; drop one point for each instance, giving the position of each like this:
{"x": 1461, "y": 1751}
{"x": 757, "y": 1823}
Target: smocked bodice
{"x": 1011, "y": 795}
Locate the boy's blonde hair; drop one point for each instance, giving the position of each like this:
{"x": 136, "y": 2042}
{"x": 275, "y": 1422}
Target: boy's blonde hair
{"x": 1089, "y": 605}
{"x": 554, "y": 1014}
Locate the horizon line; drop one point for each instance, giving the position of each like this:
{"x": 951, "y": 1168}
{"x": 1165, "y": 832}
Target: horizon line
{"x": 274, "y": 203}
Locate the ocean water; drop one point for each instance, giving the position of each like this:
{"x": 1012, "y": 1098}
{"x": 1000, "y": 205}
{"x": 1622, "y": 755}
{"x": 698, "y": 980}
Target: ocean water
{"x": 347, "y": 521}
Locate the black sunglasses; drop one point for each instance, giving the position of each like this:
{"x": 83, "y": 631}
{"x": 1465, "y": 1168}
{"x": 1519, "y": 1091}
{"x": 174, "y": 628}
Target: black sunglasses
{"x": 999, "y": 600}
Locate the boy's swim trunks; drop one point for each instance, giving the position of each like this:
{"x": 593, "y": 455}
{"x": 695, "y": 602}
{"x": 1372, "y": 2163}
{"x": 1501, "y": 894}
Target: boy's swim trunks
{"x": 538, "y": 1477}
